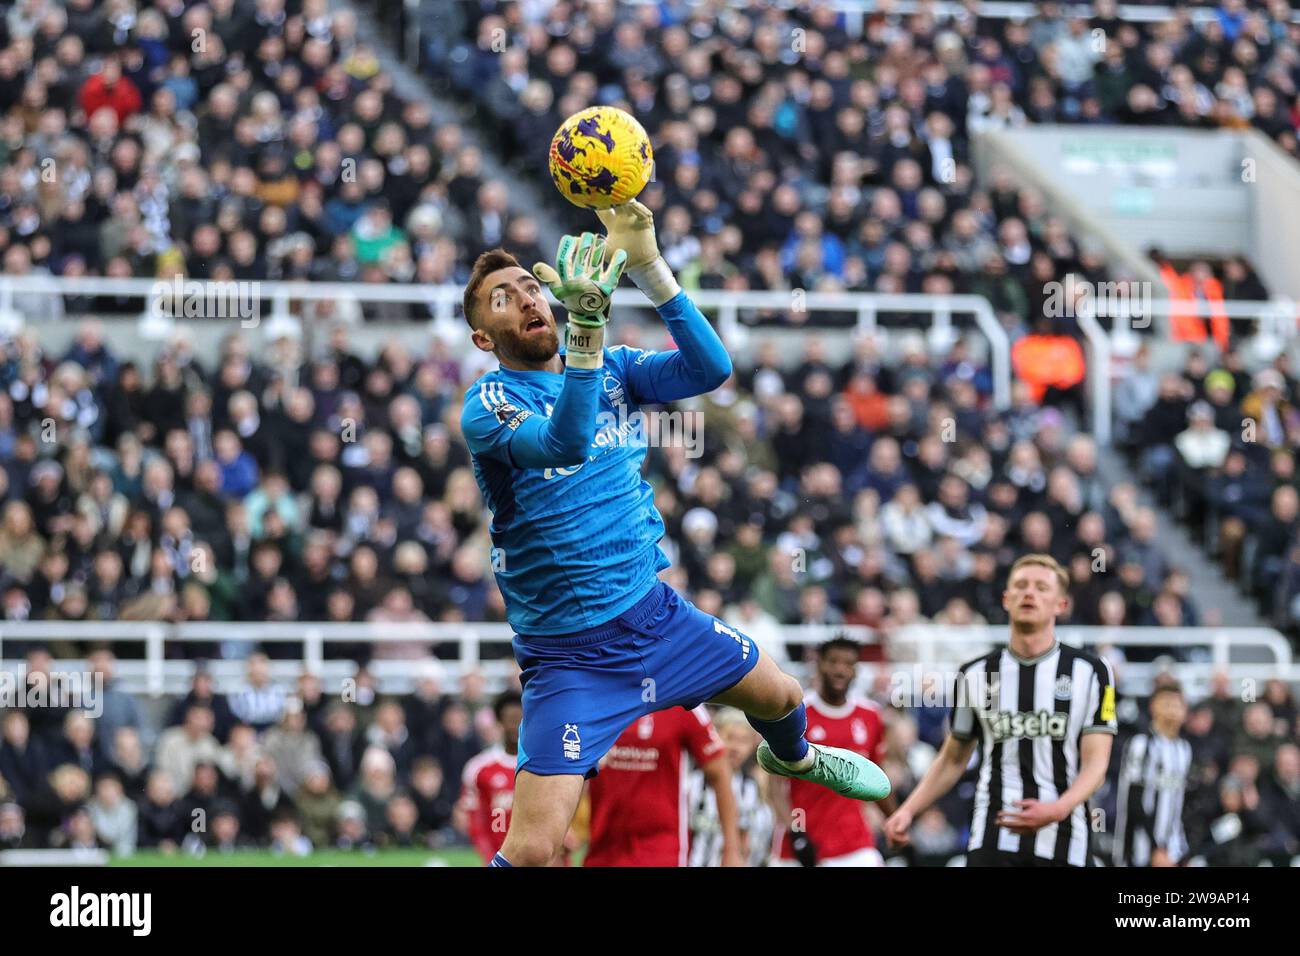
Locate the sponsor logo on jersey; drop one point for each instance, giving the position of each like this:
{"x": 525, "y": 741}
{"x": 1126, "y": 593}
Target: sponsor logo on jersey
{"x": 1014, "y": 725}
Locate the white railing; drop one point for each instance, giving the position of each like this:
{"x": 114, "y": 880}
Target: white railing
{"x": 1279, "y": 318}
{"x": 1242, "y": 653}
{"x": 443, "y": 301}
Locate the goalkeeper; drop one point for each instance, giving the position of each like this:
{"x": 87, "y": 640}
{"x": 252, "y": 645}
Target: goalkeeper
{"x": 600, "y": 640}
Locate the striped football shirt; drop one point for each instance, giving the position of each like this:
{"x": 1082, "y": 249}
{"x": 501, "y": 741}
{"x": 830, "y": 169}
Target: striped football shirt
{"x": 1029, "y": 716}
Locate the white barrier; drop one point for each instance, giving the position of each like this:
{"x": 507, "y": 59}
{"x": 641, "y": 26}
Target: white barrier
{"x": 444, "y": 299}
{"x": 1241, "y": 653}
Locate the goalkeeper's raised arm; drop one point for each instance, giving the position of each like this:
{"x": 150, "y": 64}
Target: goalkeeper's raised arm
{"x": 700, "y": 363}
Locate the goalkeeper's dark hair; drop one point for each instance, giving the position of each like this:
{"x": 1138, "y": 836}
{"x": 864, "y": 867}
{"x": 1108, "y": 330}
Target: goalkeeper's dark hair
{"x": 487, "y": 263}
{"x": 506, "y": 699}
{"x": 838, "y": 643}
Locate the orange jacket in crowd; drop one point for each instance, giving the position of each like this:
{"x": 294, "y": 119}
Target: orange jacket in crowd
{"x": 871, "y": 411}
{"x": 1048, "y": 361}
{"x": 1184, "y": 323}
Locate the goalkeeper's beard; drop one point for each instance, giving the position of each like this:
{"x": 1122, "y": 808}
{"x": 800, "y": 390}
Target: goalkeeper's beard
{"x": 530, "y": 347}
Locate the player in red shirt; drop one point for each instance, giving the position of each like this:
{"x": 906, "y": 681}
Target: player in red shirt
{"x": 827, "y": 829}
{"x": 488, "y": 783}
{"x": 638, "y": 800}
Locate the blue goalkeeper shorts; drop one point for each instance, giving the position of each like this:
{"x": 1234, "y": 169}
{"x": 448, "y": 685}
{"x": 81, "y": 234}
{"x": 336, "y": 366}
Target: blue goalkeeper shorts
{"x": 582, "y": 690}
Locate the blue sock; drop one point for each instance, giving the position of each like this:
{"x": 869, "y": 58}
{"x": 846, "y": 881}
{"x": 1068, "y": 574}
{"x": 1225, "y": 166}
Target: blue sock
{"x": 785, "y": 735}
{"x": 500, "y": 860}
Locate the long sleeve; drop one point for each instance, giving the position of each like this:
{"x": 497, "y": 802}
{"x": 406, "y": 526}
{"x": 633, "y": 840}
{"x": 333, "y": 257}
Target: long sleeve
{"x": 699, "y": 364}
{"x": 495, "y": 426}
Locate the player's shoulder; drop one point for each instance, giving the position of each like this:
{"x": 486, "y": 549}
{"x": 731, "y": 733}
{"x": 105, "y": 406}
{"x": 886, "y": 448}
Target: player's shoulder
{"x": 492, "y": 401}
{"x": 484, "y": 390}
{"x": 621, "y": 359}
{"x": 1098, "y": 663}
{"x": 855, "y": 705}
{"x": 628, "y": 353}
{"x": 488, "y": 759}
{"x": 987, "y": 659}
{"x": 865, "y": 705}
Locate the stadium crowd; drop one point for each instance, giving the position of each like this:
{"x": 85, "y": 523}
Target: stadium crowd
{"x": 1223, "y": 441}
{"x": 339, "y": 489}
{"x": 791, "y": 153}
{"x": 878, "y": 493}
{"x": 296, "y": 771}
{"x": 334, "y": 486}
{"x": 226, "y": 141}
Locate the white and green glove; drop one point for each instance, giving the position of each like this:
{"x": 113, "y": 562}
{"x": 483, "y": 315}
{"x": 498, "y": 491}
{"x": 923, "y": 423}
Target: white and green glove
{"x": 584, "y": 285}
{"x": 631, "y": 229}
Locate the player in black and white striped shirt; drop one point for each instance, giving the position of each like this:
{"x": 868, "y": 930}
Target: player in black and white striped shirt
{"x": 1044, "y": 717}
{"x": 1152, "y": 783}
{"x": 753, "y": 815}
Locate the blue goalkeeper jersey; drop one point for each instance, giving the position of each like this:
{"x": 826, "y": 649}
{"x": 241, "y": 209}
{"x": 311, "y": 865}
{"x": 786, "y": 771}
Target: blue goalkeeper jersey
{"x": 558, "y": 459}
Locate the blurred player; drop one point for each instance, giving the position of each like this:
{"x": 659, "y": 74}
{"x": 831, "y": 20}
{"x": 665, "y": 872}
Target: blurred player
{"x": 1152, "y": 784}
{"x": 557, "y": 455}
{"x": 825, "y": 829}
{"x": 753, "y": 815}
{"x": 488, "y": 782}
{"x": 1044, "y": 716}
{"x": 638, "y": 801}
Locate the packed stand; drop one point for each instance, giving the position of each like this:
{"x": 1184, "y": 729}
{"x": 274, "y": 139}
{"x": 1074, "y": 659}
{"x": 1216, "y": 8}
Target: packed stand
{"x": 297, "y": 771}
{"x": 881, "y": 493}
{"x": 236, "y": 140}
{"x": 332, "y": 487}
{"x": 1220, "y": 442}
{"x": 792, "y": 154}
{"x": 292, "y": 769}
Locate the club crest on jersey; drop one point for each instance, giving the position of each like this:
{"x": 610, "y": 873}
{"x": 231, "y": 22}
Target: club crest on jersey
{"x": 613, "y": 389}
{"x": 571, "y": 742}
{"x": 1064, "y": 687}
{"x": 860, "y": 734}
{"x": 992, "y": 694}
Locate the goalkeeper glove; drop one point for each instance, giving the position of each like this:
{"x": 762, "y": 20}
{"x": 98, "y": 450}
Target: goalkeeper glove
{"x": 631, "y": 229}
{"x": 583, "y": 285}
